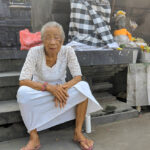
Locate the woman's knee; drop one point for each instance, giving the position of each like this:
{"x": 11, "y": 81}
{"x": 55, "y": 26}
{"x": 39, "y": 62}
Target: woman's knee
{"x": 23, "y": 90}
{"x": 83, "y": 83}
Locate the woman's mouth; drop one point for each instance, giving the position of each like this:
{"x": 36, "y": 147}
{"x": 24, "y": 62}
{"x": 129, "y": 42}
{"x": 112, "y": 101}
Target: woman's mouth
{"x": 52, "y": 49}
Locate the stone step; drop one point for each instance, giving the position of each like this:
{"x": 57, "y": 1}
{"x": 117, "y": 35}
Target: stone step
{"x": 104, "y": 96}
{"x": 103, "y": 86}
{"x": 9, "y": 112}
{"x": 8, "y": 93}
{"x": 7, "y": 65}
{"x": 12, "y": 53}
{"x": 112, "y": 106}
{"x": 8, "y": 79}
{"x": 93, "y": 70}
{"x": 113, "y": 117}
{"x": 12, "y": 131}
{"x": 11, "y": 125}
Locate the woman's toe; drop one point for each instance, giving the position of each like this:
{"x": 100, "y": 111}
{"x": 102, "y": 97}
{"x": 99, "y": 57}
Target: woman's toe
{"x": 90, "y": 143}
{"x": 84, "y": 145}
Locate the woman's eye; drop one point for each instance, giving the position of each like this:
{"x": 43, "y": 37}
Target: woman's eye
{"x": 57, "y": 38}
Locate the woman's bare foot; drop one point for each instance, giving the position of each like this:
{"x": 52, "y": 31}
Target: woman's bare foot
{"x": 84, "y": 142}
{"x": 34, "y": 143}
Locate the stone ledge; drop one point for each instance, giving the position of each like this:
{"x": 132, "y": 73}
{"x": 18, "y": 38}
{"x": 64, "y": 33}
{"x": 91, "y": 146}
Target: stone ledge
{"x": 114, "y": 117}
{"x": 17, "y": 130}
{"x": 86, "y": 58}
{"x": 11, "y": 125}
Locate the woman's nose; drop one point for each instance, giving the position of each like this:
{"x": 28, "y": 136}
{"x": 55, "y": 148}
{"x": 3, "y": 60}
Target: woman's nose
{"x": 52, "y": 41}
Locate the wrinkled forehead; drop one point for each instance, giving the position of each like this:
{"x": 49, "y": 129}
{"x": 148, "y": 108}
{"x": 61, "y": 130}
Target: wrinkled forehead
{"x": 52, "y": 31}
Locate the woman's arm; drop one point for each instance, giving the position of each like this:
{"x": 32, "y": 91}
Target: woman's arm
{"x": 32, "y": 84}
{"x": 72, "y": 82}
{"x": 58, "y": 91}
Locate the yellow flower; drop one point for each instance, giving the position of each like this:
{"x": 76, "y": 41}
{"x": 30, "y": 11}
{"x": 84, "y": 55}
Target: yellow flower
{"x": 120, "y": 12}
{"x": 119, "y": 49}
{"x": 133, "y": 39}
{"x": 147, "y": 48}
{"x": 142, "y": 47}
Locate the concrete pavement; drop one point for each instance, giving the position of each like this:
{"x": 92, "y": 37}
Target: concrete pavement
{"x": 131, "y": 134}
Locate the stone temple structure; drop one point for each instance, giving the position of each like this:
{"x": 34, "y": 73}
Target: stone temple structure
{"x": 105, "y": 71}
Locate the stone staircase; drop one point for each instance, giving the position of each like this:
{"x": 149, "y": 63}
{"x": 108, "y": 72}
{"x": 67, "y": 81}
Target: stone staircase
{"x": 11, "y": 125}
{"x": 12, "y": 20}
{"x": 11, "y": 61}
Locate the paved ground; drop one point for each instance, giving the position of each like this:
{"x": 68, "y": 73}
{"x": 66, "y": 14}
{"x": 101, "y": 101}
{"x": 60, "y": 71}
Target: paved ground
{"x": 132, "y": 134}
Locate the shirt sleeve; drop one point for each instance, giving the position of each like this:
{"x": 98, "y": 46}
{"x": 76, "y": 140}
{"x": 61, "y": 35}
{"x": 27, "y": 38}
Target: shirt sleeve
{"x": 29, "y": 65}
{"x": 73, "y": 63}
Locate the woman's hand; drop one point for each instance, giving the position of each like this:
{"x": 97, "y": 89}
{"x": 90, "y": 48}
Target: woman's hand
{"x": 59, "y": 93}
{"x": 59, "y": 103}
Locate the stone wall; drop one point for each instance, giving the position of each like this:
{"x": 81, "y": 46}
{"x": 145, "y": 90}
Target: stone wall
{"x": 139, "y": 11}
{"x": 59, "y": 10}
{"x": 12, "y": 20}
{"x": 4, "y": 12}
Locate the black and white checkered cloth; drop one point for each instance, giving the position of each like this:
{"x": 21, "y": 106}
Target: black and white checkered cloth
{"x": 89, "y": 22}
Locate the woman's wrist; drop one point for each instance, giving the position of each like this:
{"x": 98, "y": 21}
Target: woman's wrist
{"x": 49, "y": 88}
{"x": 44, "y": 86}
{"x": 65, "y": 85}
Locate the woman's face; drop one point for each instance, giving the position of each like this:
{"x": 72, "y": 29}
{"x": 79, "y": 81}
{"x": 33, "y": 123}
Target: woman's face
{"x": 52, "y": 40}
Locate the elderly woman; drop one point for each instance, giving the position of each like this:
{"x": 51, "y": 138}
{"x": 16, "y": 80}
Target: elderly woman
{"x": 45, "y": 98}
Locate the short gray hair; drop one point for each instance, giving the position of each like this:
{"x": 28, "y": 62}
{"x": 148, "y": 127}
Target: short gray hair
{"x": 52, "y": 24}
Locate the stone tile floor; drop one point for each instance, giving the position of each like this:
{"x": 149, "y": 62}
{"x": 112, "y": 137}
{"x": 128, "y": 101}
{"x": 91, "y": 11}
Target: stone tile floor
{"x": 131, "y": 134}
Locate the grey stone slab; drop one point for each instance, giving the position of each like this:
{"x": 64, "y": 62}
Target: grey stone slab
{"x": 12, "y": 53}
{"x": 4, "y": 9}
{"x": 130, "y": 134}
{"x": 9, "y": 79}
{"x": 10, "y": 120}
{"x": 114, "y": 117}
{"x": 111, "y": 106}
{"x": 8, "y": 65}
{"x": 12, "y": 131}
{"x": 8, "y": 93}
{"x": 120, "y": 106}
{"x": 104, "y": 96}
{"x": 8, "y": 106}
{"x": 88, "y": 58}
{"x": 9, "y": 74}
{"x": 98, "y": 68}
{"x": 99, "y": 71}
{"x": 102, "y": 86}
{"x": 120, "y": 135}
{"x": 10, "y": 35}
{"x": 17, "y": 130}
{"x": 9, "y": 112}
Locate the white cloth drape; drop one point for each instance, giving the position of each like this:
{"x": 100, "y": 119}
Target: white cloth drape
{"x": 38, "y": 108}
